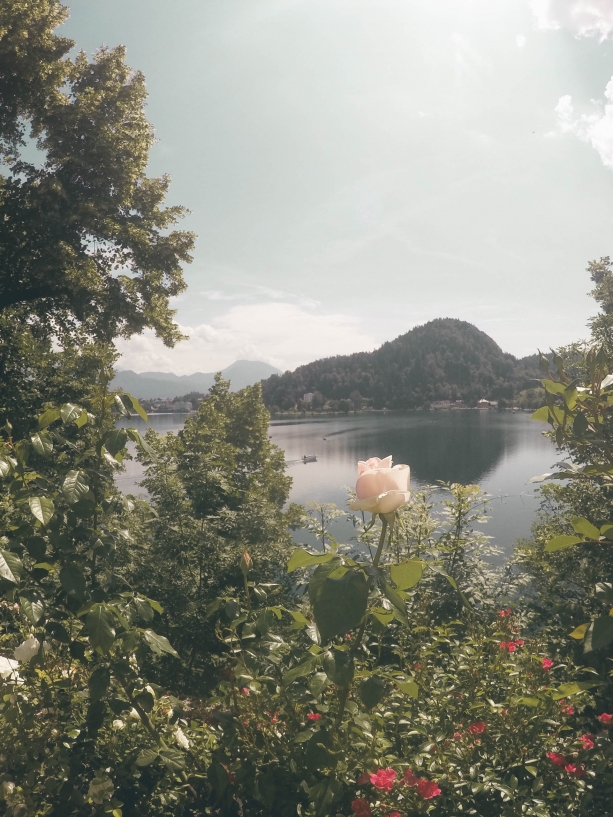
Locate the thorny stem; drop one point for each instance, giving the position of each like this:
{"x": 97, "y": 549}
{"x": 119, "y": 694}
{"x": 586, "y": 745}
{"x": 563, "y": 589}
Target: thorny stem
{"x": 344, "y": 693}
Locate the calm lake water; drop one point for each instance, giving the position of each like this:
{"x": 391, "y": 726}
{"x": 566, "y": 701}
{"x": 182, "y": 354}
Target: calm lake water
{"x": 499, "y": 451}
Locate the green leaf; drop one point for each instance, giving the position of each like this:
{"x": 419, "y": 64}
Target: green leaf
{"x": 339, "y": 667}
{"x": 75, "y": 486}
{"x": 406, "y": 574}
{"x": 136, "y": 406}
{"x": 69, "y": 413}
{"x": 5, "y": 468}
{"x": 320, "y": 574}
{"x": 145, "y": 700}
{"x": 98, "y": 624}
{"x": 553, "y": 386}
{"x": 48, "y": 417}
{"x": 584, "y": 528}
{"x": 580, "y": 631}
{"x": 566, "y": 690}
{"x": 121, "y": 407}
{"x": 81, "y": 419}
{"x": 397, "y": 600}
{"x": 371, "y": 691}
{"x": 562, "y": 542}
{"x": 42, "y": 444}
{"x": 159, "y": 644}
{"x": 32, "y": 605}
{"x": 340, "y": 604}
{"x": 172, "y": 759}
{"x": 73, "y": 581}
{"x": 542, "y": 415}
{"x": 98, "y": 683}
{"x": 5, "y": 569}
{"x": 409, "y": 688}
{"x": 146, "y": 757}
{"x": 302, "y": 558}
{"x": 42, "y": 507}
{"x": 115, "y": 441}
{"x": 305, "y": 668}
{"x": 599, "y": 634}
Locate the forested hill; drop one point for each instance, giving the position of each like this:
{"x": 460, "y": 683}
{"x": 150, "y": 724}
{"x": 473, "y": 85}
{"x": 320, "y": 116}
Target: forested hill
{"x": 443, "y": 359}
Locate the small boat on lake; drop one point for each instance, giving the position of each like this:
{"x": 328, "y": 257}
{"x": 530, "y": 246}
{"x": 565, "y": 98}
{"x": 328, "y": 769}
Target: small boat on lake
{"x": 309, "y": 458}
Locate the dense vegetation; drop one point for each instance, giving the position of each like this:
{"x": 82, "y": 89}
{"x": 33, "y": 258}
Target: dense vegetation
{"x": 444, "y": 359}
{"x": 179, "y": 657}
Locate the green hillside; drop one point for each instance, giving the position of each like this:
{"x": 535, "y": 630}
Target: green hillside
{"x": 441, "y": 360}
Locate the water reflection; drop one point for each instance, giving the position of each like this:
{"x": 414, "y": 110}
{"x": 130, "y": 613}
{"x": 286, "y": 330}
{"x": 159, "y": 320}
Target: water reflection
{"x": 498, "y": 450}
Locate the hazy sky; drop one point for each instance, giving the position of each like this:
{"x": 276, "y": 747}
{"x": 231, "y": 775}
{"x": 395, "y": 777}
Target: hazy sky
{"x": 357, "y": 167}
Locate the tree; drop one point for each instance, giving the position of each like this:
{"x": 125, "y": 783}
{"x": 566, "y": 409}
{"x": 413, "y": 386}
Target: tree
{"x": 218, "y": 489}
{"x": 85, "y": 241}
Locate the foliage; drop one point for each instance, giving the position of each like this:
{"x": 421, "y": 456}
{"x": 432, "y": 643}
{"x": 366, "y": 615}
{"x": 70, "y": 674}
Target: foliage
{"x": 217, "y": 488}
{"x": 84, "y": 238}
{"x": 358, "y": 708}
{"x": 443, "y": 359}
{"x": 81, "y": 731}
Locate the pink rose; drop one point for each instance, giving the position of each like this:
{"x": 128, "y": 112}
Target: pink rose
{"x": 383, "y": 779}
{"x": 605, "y": 719}
{"x": 428, "y": 789}
{"x": 547, "y": 664}
{"x": 361, "y": 808}
{"x": 587, "y": 741}
{"x": 381, "y": 488}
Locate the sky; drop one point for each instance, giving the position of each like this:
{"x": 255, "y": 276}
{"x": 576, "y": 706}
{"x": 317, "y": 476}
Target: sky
{"x": 355, "y": 168}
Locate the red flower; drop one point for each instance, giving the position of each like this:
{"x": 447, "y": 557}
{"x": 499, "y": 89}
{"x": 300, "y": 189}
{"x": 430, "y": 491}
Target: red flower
{"x": 557, "y": 759}
{"x": 503, "y": 645}
{"x": 410, "y": 779}
{"x": 511, "y": 646}
{"x": 361, "y": 808}
{"x": 476, "y": 728}
{"x": 519, "y": 642}
{"x": 587, "y": 741}
{"x": 428, "y": 789}
{"x": 383, "y": 779}
{"x": 504, "y": 613}
{"x": 576, "y": 771}
{"x": 458, "y": 735}
{"x": 605, "y": 719}
{"x": 245, "y": 691}
{"x": 567, "y": 709}
{"x": 313, "y": 716}
{"x": 547, "y": 663}
{"x": 363, "y": 779}
{"x": 504, "y": 711}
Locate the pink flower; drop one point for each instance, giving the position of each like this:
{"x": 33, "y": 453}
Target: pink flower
{"x": 547, "y": 664}
{"x": 458, "y": 735}
{"x": 605, "y": 719}
{"x": 363, "y": 779}
{"x": 381, "y": 488}
{"x": 519, "y": 642}
{"x": 504, "y": 711}
{"x": 476, "y": 728}
{"x": 361, "y": 808}
{"x": 503, "y": 645}
{"x": 575, "y": 771}
{"x": 410, "y": 779}
{"x": 245, "y": 691}
{"x": 428, "y": 789}
{"x": 511, "y": 646}
{"x": 567, "y": 709}
{"x": 587, "y": 741}
{"x": 504, "y": 613}
{"x": 557, "y": 759}
{"x": 383, "y": 779}
{"x": 313, "y": 716}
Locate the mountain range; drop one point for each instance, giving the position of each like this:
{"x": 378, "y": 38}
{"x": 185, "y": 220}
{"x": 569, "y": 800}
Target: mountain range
{"x": 147, "y": 385}
{"x": 445, "y": 359}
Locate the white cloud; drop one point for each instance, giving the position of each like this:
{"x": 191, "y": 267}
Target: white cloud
{"x": 585, "y": 18}
{"x": 520, "y": 40}
{"x": 595, "y": 127}
{"x": 282, "y": 334}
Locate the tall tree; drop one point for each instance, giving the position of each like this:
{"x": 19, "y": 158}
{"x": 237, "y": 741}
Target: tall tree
{"x": 85, "y": 241}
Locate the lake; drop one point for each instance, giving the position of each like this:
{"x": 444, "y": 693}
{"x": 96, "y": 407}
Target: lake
{"x": 499, "y": 451}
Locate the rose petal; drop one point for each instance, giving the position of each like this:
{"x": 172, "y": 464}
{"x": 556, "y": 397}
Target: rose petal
{"x": 382, "y": 503}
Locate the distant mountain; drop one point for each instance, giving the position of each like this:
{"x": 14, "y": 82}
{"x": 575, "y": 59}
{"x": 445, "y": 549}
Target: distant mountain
{"x": 147, "y": 385}
{"x": 445, "y": 359}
